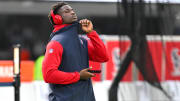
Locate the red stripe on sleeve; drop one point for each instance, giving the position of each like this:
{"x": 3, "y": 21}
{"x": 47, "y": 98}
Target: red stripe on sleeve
{"x": 50, "y": 65}
{"x": 96, "y": 49}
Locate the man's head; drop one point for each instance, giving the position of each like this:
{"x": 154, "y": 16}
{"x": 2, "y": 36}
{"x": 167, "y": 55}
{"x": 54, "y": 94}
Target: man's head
{"x": 65, "y": 11}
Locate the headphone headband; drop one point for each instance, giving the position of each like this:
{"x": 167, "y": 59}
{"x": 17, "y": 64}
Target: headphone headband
{"x": 52, "y": 14}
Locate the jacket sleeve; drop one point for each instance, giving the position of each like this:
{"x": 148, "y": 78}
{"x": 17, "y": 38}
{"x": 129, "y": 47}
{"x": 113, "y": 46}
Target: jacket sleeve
{"x": 96, "y": 49}
{"x": 51, "y": 63}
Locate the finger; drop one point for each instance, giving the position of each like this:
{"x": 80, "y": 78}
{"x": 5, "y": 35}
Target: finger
{"x": 90, "y": 22}
{"x": 83, "y": 22}
{"x": 80, "y": 21}
{"x": 87, "y": 21}
{"x": 91, "y": 74}
{"x": 86, "y": 69}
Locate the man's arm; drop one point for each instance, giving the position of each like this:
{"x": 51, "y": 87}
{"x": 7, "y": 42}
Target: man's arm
{"x": 96, "y": 48}
{"x": 51, "y": 62}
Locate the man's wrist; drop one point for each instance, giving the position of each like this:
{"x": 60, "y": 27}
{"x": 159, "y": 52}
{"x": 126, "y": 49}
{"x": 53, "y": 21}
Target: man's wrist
{"x": 78, "y": 75}
{"x": 88, "y": 32}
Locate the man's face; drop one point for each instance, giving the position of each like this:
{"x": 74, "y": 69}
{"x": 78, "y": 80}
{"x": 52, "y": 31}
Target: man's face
{"x": 68, "y": 14}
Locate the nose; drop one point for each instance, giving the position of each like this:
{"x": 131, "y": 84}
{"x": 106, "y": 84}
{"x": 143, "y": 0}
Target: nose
{"x": 72, "y": 12}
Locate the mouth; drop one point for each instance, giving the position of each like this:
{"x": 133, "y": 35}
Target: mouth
{"x": 74, "y": 17}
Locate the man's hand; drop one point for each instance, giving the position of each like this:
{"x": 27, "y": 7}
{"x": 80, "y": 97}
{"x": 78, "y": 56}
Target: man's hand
{"x": 84, "y": 74}
{"x": 87, "y": 25}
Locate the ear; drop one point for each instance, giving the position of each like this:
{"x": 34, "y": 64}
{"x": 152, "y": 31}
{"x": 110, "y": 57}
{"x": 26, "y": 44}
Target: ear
{"x": 57, "y": 19}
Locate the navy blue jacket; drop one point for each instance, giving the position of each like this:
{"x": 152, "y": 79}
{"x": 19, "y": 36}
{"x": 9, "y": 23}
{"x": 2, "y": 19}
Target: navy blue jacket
{"x": 74, "y": 58}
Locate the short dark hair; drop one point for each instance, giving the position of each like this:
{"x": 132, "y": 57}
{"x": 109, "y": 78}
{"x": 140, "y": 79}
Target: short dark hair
{"x": 55, "y": 9}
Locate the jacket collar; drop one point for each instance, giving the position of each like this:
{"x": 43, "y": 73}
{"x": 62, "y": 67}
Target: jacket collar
{"x": 58, "y": 27}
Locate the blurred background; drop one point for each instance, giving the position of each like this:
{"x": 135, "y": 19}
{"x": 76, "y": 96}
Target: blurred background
{"x": 118, "y": 23}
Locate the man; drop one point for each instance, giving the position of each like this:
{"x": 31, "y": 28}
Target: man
{"x": 66, "y": 62}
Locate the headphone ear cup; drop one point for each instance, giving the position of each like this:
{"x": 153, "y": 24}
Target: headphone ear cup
{"x": 58, "y": 20}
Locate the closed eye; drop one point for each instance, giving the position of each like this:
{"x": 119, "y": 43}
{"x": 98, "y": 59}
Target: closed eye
{"x": 68, "y": 10}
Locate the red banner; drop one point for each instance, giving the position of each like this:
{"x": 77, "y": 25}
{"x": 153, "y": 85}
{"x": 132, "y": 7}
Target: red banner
{"x": 6, "y": 71}
{"x": 117, "y": 51}
{"x": 172, "y": 60}
{"x": 155, "y": 48}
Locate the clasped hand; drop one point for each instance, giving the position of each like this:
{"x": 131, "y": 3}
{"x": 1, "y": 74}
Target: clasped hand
{"x": 87, "y": 25}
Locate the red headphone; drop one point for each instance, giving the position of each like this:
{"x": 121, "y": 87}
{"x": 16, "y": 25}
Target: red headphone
{"x": 57, "y": 19}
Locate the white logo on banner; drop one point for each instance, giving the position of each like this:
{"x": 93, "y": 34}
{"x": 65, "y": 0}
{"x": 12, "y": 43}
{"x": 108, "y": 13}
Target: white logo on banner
{"x": 176, "y": 62}
{"x": 116, "y": 59}
{"x": 6, "y": 71}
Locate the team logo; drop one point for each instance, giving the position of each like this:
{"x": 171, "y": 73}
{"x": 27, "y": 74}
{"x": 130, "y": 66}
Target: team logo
{"x": 50, "y": 50}
{"x": 176, "y": 62}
